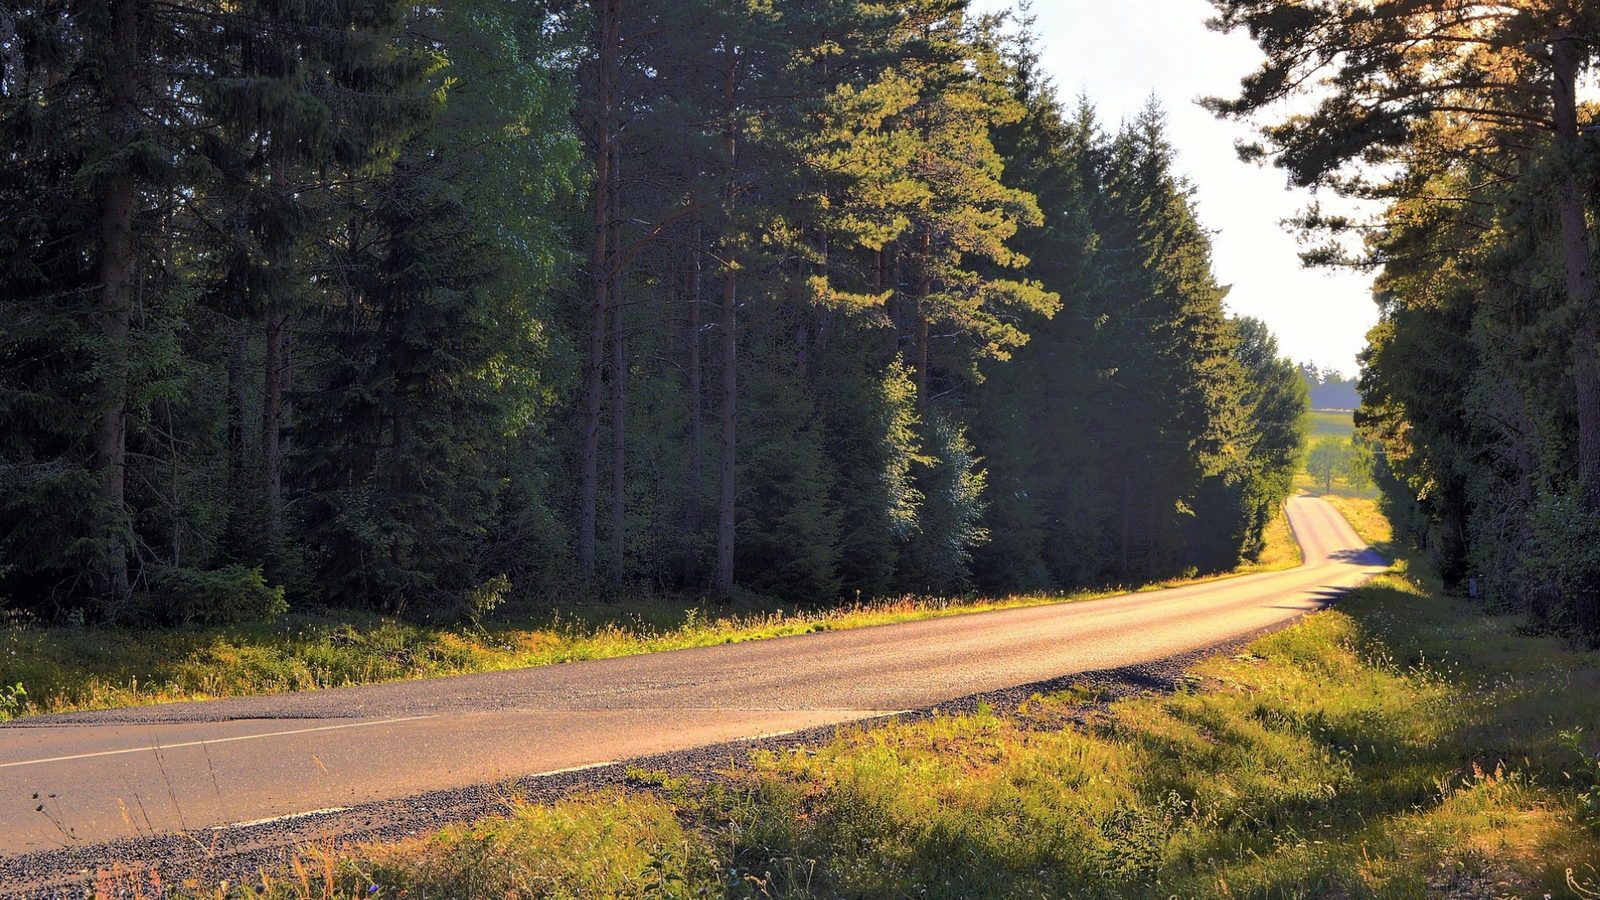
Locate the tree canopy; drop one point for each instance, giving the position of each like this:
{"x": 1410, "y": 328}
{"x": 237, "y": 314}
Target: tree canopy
{"x": 413, "y": 308}
{"x": 1480, "y": 388}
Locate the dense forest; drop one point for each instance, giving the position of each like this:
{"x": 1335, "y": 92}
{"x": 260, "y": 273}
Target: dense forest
{"x": 417, "y": 308}
{"x": 1465, "y": 124}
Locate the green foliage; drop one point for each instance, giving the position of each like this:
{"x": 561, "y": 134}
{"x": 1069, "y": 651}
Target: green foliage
{"x": 483, "y": 600}
{"x": 791, "y": 548}
{"x": 949, "y": 526}
{"x": 1478, "y": 390}
{"x": 972, "y": 339}
{"x": 1274, "y": 438}
{"x": 13, "y": 701}
{"x": 1588, "y": 777}
{"x": 1358, "y": 466}
{"x": 872, "y": 422}
{"x": 1328, "y": 457}
{"x": 226, "y": 596}
{"x": 1563, "y": 550}
{"x": 1139, "y": 433}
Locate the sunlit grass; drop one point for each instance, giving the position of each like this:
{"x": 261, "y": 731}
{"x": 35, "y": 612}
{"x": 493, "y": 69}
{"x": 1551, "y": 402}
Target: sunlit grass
{"x": 65, "y": 668}
{"x": 1281, "y": 550}
{"x": 1367, "y": 519}
{"x": 1329, "y": 423}
{"x": 1403, "y": 745}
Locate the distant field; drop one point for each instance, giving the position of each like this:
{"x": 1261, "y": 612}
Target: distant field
{"x": 1335, "y": 424}
{"x": 1327, "y": 423}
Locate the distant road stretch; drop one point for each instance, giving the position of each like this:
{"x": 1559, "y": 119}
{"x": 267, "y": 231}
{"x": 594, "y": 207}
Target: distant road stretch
{"x": 198, "y": 767}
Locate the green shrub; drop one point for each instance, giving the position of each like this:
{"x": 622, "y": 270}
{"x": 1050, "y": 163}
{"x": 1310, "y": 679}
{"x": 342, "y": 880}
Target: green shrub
{"x": 226, "y": 596}
{"x": 476, "y": 603}
{"x": 1565, "y": 553}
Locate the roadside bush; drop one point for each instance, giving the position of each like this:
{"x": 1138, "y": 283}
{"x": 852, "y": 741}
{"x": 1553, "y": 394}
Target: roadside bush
{"x": 1565, "y": 552}
{"x": 470, "y": 606}
{"x": 226, "y": 596}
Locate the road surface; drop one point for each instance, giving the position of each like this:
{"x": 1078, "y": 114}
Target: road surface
{"x": 198, "y": 768}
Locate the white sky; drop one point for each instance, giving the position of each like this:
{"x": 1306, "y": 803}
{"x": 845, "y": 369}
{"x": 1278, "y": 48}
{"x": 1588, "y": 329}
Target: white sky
{"x": 1120, "y": 53}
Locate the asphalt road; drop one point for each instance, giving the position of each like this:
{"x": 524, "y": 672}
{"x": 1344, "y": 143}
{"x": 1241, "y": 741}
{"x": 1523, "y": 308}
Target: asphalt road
{"x": 204, "y": 768}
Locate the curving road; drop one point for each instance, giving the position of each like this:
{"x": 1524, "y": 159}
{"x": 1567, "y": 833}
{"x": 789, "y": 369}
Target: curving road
{"x": 194, "y": 767}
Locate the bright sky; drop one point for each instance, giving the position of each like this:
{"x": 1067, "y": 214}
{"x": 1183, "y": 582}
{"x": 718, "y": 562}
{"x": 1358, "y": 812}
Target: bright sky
{"x": 1120, "y": 53}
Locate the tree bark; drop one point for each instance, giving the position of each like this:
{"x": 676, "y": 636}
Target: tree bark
{"x": 1127, "y": 505}
{"x": 236, "y": 417}
{"x": 272, "y": 424}
{"x": 891, "y": 304}
{"x": 691, "y": 507}
{"x": 730, "y": 357}
{"x": 924, "y": 290}
{"x": 1580, "y": 295}
{"x": 600, "y": 265}
{"x": 619, "y": 369}
{"x": 111, "y": 431}
{"x": 114, "y": 316}
{"x": 730, "y": 419}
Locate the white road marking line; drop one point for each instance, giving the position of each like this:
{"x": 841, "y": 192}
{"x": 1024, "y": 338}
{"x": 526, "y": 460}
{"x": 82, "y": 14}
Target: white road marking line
{"x": 226, "y": 740}
{"x": 252, "y": 737}
{"x": 288, "y": 818}
{"x": 570, "y": 769}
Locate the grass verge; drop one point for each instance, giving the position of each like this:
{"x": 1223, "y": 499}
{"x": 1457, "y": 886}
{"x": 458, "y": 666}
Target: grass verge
{"x": 61, "y": 669}
{"x": 1401, "y": 745}
{"x": 1332, "y": 423}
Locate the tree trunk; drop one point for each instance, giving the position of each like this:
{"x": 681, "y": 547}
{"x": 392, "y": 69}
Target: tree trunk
{"x": 924, "y": 290}
{"x": 802, "y": 336}
{"x": 1150, "y": 547}
{"x": 272, "y": 425}
{"x": 1580, "y": 296}
{"x": 730, "y": 418}
{"x": 600, "y": 265}
{"x": 619, "y": 369}
{"x": 114, "y": 316}
{"x": 111, "y": 431}
{"x": 730, "y": 356}
{"x": 691, "y": 508}
{"x": 236, "y": 417}
{"x": 1127, "y": 505}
